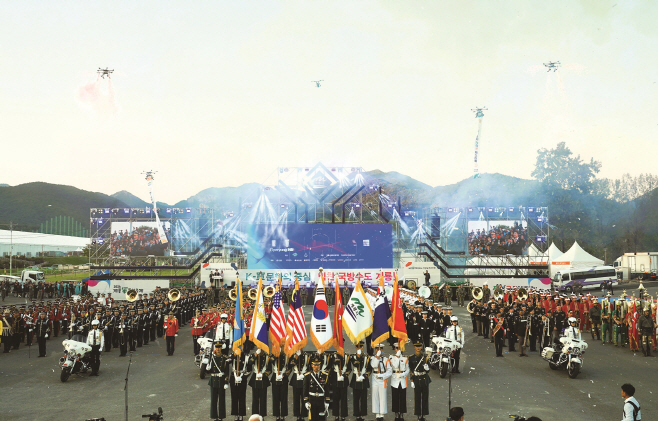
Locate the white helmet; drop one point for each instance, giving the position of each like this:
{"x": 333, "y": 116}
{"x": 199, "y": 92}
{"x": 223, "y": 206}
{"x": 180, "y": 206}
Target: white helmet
{"x": 223, "y": 316}
{"x": 95, "y": 322}
{"x": 454, "y": 319}
{"x": 572, "y": 320}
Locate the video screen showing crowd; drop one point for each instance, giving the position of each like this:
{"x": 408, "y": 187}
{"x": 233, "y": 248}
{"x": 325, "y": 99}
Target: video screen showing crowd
{"x": 498, "y": 240}
{"x": 554, "y": 323}
{"x": 141, "y": 241}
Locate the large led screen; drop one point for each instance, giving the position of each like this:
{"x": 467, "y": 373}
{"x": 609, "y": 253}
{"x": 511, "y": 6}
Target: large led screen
{"x": 138, "y": 239}
{"x": 309, "y": 246}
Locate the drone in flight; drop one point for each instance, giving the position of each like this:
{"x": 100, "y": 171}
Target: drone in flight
{"x": 552, "y": 65}
{"x": 105, "y": 71}
{"x": 317, "y": 83}
{"x": 478, "y": 111}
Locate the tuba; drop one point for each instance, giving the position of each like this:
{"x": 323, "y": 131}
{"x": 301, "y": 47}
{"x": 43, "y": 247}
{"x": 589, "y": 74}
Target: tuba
{"x": 268, "y": 291}
{"x": 233, "y": 294}
{"x": 522, "y": 294}
{"x": 131, "y": 295}
{"x": 470, "y": 307}
{"x": 477, "y": 293}
{"x": 252, "y": 294}
{"x": 173, "y": 294}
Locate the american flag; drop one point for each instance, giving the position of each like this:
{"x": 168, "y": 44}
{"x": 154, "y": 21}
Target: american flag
{"x": 277, "y": 323}
{"x": 296, "y": 326}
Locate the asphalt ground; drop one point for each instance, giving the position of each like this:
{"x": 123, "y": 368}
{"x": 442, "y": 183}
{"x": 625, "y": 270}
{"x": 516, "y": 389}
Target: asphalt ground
{"x": 488, "y": 388}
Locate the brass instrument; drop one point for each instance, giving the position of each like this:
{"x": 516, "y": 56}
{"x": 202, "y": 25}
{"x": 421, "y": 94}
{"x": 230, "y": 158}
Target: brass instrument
{"x": 470, "y": 307}
{"x": 269, "y": 291}
{"x": 173, "y": 295}
{"x": 411, "y": 284}
{"x": 477, "y": 293}
{"x": 233, "y": 294}
{"x": 131, "y": 295}
{"x": 252, "y": 294}
{"x": 522, "y": 294}
{"x": 424, "y": 291}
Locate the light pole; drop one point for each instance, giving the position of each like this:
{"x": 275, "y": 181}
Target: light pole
{"x": 11, "y": 246}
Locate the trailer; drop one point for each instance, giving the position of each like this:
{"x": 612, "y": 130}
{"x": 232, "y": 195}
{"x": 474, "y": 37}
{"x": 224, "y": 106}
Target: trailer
{"x": 641, "y": 265}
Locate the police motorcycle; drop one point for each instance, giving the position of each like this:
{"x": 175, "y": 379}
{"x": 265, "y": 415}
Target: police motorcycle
{"x": 76, "y": 359}
{"x": 442, "y": 354}
{"x": 567, "y": 353}
{"x": 205, "y": 352}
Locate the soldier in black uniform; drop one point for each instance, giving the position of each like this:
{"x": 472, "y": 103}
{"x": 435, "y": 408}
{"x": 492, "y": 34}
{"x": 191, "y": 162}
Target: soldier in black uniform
{"x": 316, "y": 396}
{"x": 511, "y": 336}
{"x": 360, "y": 383}
{"x": 123, "y": 332}
{"x": 520, "y": 329}
{"x": 146, "y": 326}
{"x": 159, "y": 326}
{"x": 534, "y": 330}
{"x": 218, "y": 367}
{"x": 298, "y": 365}
{"x": 153, "y": 322}
{"x": 280, "y": 372}
{"x": 498, "y": 333}
{"x": 420, "y": 380}
{"x": 42, "y": 328}
{"x": 133, "y": 322}
{"x": 259, "y": 382}
{"x": 560, "y": 323}
{"x": 113, "y": 336}
{"x": 340, "y": 372}
{"x": 426, "y": 327}
{"x": 238, "y": 381}
{"x": 107, "y": 322}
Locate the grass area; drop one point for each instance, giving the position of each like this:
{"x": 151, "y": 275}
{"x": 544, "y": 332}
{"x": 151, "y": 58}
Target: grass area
{"x": 69, "y": 260}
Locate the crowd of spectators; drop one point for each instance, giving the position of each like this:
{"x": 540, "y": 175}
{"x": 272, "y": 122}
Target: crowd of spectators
{"x": 142, "y": 241}
{"x": 499, "y": 240}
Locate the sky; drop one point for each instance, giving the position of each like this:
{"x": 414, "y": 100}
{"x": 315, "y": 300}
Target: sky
{"x": 219, "y": 93}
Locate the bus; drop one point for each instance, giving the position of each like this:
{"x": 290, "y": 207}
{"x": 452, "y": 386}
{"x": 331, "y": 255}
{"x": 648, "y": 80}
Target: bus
{"x": 592, "y": 277}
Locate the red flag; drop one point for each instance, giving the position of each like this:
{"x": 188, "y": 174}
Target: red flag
{"x": 338, "y": 322}
{"x": 398, "y": 328}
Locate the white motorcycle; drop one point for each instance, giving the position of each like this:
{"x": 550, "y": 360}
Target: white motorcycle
{"x": 76, "y": 359}
{"x": 568, "y": 354}
{"x": 205, "y": 352}
{"x": 442, "y": 357}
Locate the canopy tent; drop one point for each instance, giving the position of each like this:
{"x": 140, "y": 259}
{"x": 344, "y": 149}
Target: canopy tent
{"x": 553, "y": 252}
{"x": 576, "y": 257}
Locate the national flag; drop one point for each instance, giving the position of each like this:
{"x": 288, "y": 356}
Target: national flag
{"x": 277, "y": 322}
{"x": 357, "y": 319}
{"x": 338, "y": 322}
{"x": 382, "y": 316}
{"x": 321, "y": 332}
{"x": 296, "y": 325}
{"x": 398, "y": 325}
{"x": 239, "y": 331}
{"x": 258, "y": 332}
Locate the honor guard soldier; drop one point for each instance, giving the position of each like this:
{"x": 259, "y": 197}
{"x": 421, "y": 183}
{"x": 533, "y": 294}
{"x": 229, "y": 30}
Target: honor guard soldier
{"x": 511, "y": 324}
{"x": 456, "y": 334}
{"x": 146, "y": 325}
{"x": 161, "y": 313}
{"x": 171, "y": 331}
{"x": 42, "y": 328}
{"x": 259, "y": 382}
{"x": 96, "y": 340}
{"x": 360, "y": 381}
{"x": 122, "y": 330}
{"x": 420, "y": 381}
{"x": 381, "y": 372}
{"x": 218, "y": 367}
{"x": 280, "y": 372}
{"x": 153, "y": 323}
{"x": 521, "y": 330}
{"x": 316, "y": 396}
{"x": 498, "y": 333}
{"x": 298, "y": 365}
{"x": 606, "y": 321}
{"x": 646, "y": 327}
{"x": 224, "y": 333}
{"x": 400, "y": 371}
{"x": 425, "y": 327}
{"x": 339, "y": 379}
{"x": 132, "y": 329}
{"x": 238, "y": 381}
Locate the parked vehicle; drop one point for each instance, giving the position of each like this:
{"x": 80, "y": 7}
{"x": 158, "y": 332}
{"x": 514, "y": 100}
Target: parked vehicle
{"x": 566, "y": 354}
{"x": 76, "y": 359}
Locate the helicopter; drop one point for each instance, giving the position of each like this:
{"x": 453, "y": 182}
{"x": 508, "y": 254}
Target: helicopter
{"x": 478, "y": 111}
{"x": 317, "y": 82}
{"x": 552, "y": 65}
{"x": 105, "y": 71}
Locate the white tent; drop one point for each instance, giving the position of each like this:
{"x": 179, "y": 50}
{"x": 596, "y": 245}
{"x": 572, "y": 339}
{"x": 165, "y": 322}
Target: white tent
{"x": 576, "y": 257}
{"x": 553, "y": 252}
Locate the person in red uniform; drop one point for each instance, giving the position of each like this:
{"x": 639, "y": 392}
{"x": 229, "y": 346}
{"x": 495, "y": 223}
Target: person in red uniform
{"x": 197, "y": 330}
{"x": 171, "y": 331}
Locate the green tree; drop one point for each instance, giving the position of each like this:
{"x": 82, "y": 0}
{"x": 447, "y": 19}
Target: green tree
{"x": 559, "y": 169}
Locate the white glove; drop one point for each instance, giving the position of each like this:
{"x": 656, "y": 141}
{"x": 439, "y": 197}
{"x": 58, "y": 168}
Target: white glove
{"x": 339, "y": 379}
{"x": 380, "y": 376}
{"x": 413, "y": 385}
{"x": 46, "y": 335}
{"x": 225, "y": 386}
{"x": 426, "y": 367}
{"x": 308, "y": 406}
{"x": 238, "y": 379}
{"x": 30, "y": 330}
{"x": 105, "y": 328}
{"x": 360, "y": 379}
{"x": 279, "y": 376}
{"x": 259, "y": 376}
{"x": 176, "y": 334}
{"x": 223, "y": 346}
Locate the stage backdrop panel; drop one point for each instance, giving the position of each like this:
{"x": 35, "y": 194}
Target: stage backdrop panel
{"x": 309, "y": 246}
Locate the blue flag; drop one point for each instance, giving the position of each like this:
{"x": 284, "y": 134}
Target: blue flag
{"x": 382, "y": 315}
{"x": 239, "y": 331}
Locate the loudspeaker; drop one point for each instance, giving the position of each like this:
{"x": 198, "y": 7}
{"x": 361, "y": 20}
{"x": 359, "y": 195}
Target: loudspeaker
{"x": 435, "y": 227}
